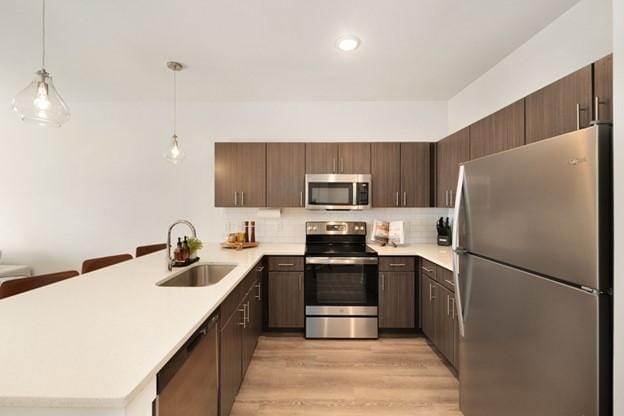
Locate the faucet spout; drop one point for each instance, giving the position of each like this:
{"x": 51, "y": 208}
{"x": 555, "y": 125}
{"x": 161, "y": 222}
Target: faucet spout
{"x": 170, "y": 259}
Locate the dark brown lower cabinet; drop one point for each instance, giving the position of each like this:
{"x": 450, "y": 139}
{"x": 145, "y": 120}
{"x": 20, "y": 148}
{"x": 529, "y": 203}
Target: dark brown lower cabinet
{"x": 231, "y": 373}
{"x": 286, "y": 303}
{"x": 397, "y": 298}
{"x": 439, "y": 318}
{"x": 428, "y": 308}
{"x": 239, "y": 337}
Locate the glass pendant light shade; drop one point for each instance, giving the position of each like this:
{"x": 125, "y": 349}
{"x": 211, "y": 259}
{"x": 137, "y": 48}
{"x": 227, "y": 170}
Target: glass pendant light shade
{"x": 174, "y": 152}
{"x": 40, "y": 103}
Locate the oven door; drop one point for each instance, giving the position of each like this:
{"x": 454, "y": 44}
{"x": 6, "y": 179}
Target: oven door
{"x": 341, "y": 286}
{"x": 337, "y": 192}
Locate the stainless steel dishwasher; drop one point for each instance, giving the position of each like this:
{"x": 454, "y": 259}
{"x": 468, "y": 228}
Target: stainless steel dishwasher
{"x": 188, "y": 385}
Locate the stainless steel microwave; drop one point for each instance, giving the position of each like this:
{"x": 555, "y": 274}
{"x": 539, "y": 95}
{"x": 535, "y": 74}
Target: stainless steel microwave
{"x": 337, "y": 192}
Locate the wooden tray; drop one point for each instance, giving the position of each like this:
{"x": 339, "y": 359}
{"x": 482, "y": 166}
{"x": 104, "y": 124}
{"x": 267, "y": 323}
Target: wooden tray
{"x": 239, "y": 246}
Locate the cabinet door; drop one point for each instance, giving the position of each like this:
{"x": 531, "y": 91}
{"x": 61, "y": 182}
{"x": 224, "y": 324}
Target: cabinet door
{"x": 450, "y": 152}
{"x": 415, "y": 175}
{"x": 445, "y": 331}
{"x": 603, "y": 89}
{"x": 500, "y": 131}
{"x": 354, "y": 158}
{"x": 552, "y": 110}
{"x": 227, "y": 178}
{"x": 230, "y": 374}
{"x": 321, "y": 158}
{"x": 252, "y": 158}
{"x": 286, "y": 304}
{"x": 397, "y": 300}
{"x": 285, "y": 174}
{"x": 386, "y": 174}
{"x": 427, "y": 305}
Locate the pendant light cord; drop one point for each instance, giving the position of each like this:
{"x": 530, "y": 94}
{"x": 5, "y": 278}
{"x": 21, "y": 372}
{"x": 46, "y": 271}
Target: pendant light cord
{"x": 175, "y": 107}
{"x": 43, "y": 34}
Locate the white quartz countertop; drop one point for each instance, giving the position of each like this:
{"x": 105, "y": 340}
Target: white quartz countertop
{"x": 96, "y": 340}
{"x": 441, "y": 255}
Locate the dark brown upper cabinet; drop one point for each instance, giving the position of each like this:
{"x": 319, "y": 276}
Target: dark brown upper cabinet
{"x": 285, "y": 179}
{"x": 401, "y": 174}
{"x": 603, "y": 89}
{"x": 416, "y": 174}
{"x": 386, "y": 174}
{"x": 500, "y": 131}
{"x": 450, "y": 152}
{"x": 321, "y": 158}
{"x": 354, "y": 158}
{"x": 240, "y": 174}
{"x": 561, "y": 107}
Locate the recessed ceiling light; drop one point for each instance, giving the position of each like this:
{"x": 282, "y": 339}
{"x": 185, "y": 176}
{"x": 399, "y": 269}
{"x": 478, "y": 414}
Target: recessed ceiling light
{"x": 348, "y": 43}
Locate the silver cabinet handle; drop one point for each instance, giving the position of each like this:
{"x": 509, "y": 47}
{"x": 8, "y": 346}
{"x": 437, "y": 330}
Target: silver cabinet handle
{"x": 446, "y": 198}
{"x": 397, "y": 264}
{"x": 453, "y": 315}
{"x": 341, "y": 165}
{"x": 242, "y": 199}
{"x": 427, "y": 270}
{"x": 334, "y": 166}
{"x": 260, "y": 268}
{"x": 449, "y": 282}
{"x": 450, "y": 198}
{"x": 431, "y": 297}
{"x": 301, "y": 198}
{"x": 597, "y": 103}
{"x": 259, "y": 295}
{"x": 285, "y": 264}
{"x": 383, "y": 282}
{"x": 396, "y": 202}
{"x": 235, "y": 199}
{"x": 244, "y": 311}
{"x": 404, "y": 198}
{"x": 448, "y": 307}
{"x": 578, "y": 116}
{"x": 248, "y": 312}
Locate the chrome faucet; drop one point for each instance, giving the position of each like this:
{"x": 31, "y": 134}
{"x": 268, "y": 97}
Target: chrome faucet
{"x": 170, "y": 259}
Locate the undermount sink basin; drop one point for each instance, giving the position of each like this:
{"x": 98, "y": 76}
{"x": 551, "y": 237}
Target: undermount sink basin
{"x": 200, "y": 275}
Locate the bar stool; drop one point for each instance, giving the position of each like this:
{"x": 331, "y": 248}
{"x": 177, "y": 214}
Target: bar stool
{"x": 90, "y": 265}
{"x": 24, "y": 284}
{"x": 143, "y": 250}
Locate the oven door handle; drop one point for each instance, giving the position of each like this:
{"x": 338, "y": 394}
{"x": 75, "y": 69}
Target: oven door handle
{"x": 342, "y": 260}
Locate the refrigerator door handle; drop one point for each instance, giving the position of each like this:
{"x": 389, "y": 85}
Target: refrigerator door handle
{"x": 457, "y": 251}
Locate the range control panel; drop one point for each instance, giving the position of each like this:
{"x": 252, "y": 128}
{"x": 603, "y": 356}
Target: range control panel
{"x": 336, "y": 227}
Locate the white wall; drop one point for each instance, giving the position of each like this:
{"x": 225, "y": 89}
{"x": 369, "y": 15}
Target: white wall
{"x": 99, "y": 185}
{"x": 618, "y": 158}
{"x": 579, "y": 37}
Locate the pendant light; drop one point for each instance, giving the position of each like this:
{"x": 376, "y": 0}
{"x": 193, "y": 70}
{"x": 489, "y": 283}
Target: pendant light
{"x": 174, "y": 152}
{"x": 40, "y": 103}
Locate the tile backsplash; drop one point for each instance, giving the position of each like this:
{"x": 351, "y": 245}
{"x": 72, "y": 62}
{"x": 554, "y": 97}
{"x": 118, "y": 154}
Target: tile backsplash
{"x": 419, "y": 223}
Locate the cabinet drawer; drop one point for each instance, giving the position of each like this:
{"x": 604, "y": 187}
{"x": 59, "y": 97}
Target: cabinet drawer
{"x": 428, "y": 268}
{"x": 445, "y": 277}
{"x": 396, "y": 264}
{"x": 285, "y": 263}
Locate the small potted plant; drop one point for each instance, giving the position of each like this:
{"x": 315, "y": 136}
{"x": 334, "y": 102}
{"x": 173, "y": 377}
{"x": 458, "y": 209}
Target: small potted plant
{"x": 195, "y": 244}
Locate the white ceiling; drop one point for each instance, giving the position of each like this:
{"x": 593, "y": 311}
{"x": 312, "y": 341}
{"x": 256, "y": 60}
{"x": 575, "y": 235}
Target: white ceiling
{"x": 265, "y": 49}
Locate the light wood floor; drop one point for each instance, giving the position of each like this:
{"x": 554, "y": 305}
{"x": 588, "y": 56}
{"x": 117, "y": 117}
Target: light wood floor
{"x": 391, "y": 376}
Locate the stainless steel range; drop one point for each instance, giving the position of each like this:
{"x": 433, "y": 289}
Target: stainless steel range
{"x": 341, "y": 273}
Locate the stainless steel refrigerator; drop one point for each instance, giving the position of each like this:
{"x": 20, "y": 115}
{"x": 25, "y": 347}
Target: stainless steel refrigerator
{"x": 533, "y": 267}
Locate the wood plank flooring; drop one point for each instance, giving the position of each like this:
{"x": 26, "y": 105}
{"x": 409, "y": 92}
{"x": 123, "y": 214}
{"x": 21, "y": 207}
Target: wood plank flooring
{"x": 391, "y": 376}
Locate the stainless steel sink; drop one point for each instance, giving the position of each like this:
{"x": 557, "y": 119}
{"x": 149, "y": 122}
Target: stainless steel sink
{"x": 200, "y": 275}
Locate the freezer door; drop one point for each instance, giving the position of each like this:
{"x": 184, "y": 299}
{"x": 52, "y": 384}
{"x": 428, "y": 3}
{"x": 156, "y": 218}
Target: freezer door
{"x": 531, "y": 346}
{"x": 544, "y": 207}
